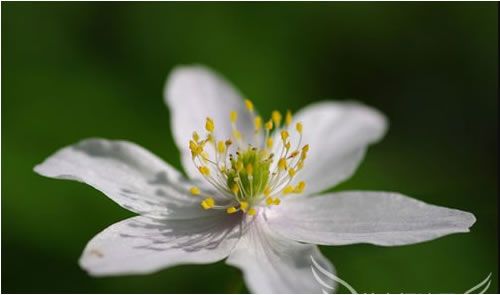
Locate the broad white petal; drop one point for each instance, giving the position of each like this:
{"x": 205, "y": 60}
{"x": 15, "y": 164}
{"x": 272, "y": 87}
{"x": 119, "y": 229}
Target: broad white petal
{"x": 338, "y": 134}
{"x": 128, "y": 174}
{"x": 380, "y": 218}
{"x": 141, "y": 245}
{"x": 194, "y": 93}
{"x": 273, "y": 264}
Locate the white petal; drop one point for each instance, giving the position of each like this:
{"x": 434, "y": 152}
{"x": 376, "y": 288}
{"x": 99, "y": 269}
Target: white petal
{"x": 338, "y": 134}
{"x": 128, "y": 174}
{"x": 273, "y": 264}
{"x": 194, "y": 93}
{"x": 141, "y": 245}
{"x": 380, "y": 218}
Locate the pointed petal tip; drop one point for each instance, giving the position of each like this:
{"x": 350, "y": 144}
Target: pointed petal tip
{"x": 85, "y": 267}
{"x": 470, "y": 219}
{"x": 37, "y": 169}
{"x": 98, "y": 271}
{"x": 42, "y": 170}
{"x": 379, "y": 218}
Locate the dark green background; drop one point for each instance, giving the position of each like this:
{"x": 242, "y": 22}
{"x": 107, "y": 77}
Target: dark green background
{"x": 71, "y": 71}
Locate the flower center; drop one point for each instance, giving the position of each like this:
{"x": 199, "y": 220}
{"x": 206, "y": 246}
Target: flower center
{"x": 248, "y": 174}
{"x": 245, "y": 176}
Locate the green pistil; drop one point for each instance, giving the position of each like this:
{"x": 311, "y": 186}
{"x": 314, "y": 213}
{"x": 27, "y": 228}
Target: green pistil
{"x": 253, "y": 181}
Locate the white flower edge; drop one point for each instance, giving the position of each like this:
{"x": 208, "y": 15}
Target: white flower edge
{"x": 338, "y": 133}
{"x": 193, "y": 93}
{"x": 157, "y": 191}
{"x": 128, "y": 174}
{"x": 272, "y": 263}
{"x": 379, "y": 218}
{"x": 143, "y": 245}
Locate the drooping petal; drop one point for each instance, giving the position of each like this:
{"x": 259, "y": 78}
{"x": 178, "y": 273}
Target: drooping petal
{"x": 338, "y": 134}
{"x": 194, "y": 93}
{"x": 273, "y": 264}
{"x": 128, "y": 174}
{"x": 141, "y": 245}
{"x": 380, "y": 218}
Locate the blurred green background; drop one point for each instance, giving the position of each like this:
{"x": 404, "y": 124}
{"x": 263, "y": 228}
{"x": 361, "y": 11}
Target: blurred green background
{"x": 71, "y": 71}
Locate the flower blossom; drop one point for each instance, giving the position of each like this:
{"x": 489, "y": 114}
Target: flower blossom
{"x": 253, "y": 191}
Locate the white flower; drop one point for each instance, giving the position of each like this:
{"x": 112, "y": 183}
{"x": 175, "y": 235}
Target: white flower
{"x": 262, "y": 208}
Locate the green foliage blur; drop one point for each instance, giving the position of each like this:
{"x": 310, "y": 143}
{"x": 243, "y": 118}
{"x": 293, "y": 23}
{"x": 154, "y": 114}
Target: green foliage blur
{"x": 77, "y": 70}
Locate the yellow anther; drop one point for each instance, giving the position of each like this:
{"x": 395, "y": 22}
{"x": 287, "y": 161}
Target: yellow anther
{"x": 233, "y": 116}
{"x": 284, "y": 135}
{"x": 288, "y": 118}
{"x": 300, "y": 187}
{"x": 276, "y": 116}
{"x": 299, "y": 127}
{"x": 235, "y": 189}
{"x": 270, "y": 201}
{"x": 236, "y": 134}
{"x": 249, "y": 169}
{"x": 221, "y": 147}
{"x": 192, "y": 146}
{"x": 269, "y": 125}
{"x": 195, "y": 148}
{"x": 288, "y": 190}
{"x": 195, "y": 191}
{"x": 231, "y": 210}
{"x": 249, "y": 105}
{"x": 205, "y": 205}
{"x": 197, "y": 152}
{"x": 282, "y": 164}
{"x": 204, "y": 170}
{"x": 269, "y": 143}
{"x": 196, "y": 137}
{"x": 208, "y": 203}
{"x": 257, "y": 123}
{"x": 246, "y": 174}
{"x": 303, "y": 156}
{"x": 209, "y": 125}
{"x": 267, "y": 191}
{"x": 243, "y": 206}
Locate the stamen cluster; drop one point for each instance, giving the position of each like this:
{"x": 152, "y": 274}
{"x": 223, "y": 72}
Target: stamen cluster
{"x": 246, "y": 175}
